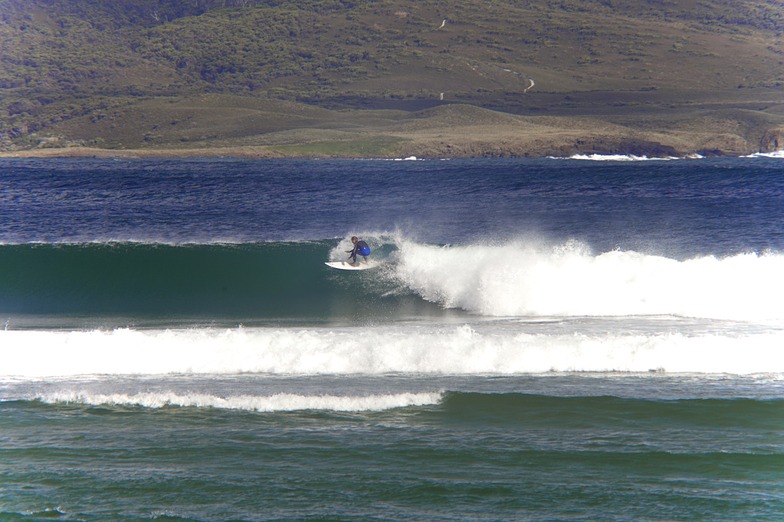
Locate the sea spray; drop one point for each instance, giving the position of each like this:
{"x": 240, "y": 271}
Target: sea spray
{"x": 520, "y": 278}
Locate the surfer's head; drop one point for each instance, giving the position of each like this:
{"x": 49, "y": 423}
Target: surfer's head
{"x": 354, "y": 239}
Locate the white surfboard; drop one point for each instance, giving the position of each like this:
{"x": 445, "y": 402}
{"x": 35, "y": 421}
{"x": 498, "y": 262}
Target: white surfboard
{"x": 342, "y": 265}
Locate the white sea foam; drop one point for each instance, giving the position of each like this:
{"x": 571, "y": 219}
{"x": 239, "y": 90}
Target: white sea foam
{"x": 271, "y": 403}
{"x": 775, "y": 154}
{"x": 617, "y": 157}
{"x": 523, "y": 279}
{"x": 481, "y": 348}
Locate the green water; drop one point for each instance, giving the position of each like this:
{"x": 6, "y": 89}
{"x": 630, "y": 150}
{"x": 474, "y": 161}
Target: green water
{"x": 468, "y": 456}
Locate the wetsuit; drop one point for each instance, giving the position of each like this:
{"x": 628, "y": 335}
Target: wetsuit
{"x": 361, "y": 248}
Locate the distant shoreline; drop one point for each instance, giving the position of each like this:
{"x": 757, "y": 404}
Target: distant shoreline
{"x": 90, "y": 152}
{"x": 466, "y": 151}
{"x": 451, "y": 132}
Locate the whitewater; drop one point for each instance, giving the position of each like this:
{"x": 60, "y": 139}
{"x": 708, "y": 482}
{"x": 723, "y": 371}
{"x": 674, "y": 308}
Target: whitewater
{"x": 518, "y": 308}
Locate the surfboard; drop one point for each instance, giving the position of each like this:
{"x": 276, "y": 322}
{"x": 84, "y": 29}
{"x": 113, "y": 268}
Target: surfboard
{"x": 342, "y": 265}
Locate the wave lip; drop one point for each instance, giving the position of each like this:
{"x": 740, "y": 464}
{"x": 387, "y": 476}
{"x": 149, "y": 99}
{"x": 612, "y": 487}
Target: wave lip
{"x": 280, "y": 402}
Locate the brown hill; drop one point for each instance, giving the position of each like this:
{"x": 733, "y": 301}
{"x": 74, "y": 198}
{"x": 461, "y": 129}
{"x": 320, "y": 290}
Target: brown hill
{"x": 391, "y": 77}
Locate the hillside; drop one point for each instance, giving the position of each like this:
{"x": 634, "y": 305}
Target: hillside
{"x": 350, "y": 77}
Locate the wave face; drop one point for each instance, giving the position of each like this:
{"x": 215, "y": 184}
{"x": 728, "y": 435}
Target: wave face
{"x": 267, "y": 281}
{"x": 485, "y": 409}
{"x": 239, "y": 282}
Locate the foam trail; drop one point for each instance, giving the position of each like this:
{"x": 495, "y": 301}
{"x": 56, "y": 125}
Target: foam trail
{"x": 521, "y": 279}
{"x": 618, "y": 157}
{"x": 279, "y": 402}
{"x": 478, "y": 349}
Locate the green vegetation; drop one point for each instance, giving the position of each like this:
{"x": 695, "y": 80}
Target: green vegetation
{"x": 380, "y": 146}
{"x": 97, "y": 72}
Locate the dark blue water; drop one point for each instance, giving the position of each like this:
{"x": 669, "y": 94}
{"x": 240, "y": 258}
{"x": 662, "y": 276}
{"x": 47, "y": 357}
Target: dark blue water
{"x": 677, "y": 208}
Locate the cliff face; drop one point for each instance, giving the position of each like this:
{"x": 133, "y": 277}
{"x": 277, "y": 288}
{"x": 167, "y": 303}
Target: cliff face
{"x": 611, "y": 75}
{"x": 772, "y": 140}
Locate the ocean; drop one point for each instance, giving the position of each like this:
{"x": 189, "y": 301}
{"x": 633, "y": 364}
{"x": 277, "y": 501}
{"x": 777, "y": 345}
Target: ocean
{"x": 540, "y": 339}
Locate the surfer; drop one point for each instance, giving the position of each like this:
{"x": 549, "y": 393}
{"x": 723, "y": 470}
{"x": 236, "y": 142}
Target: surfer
{"x": 360, "y": 247}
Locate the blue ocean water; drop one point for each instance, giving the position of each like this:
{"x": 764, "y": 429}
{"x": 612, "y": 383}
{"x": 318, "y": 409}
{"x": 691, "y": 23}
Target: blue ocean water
{"x": 550, "y": 339}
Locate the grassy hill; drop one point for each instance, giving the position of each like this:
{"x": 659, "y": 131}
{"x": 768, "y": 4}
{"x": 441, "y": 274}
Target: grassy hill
{"x": 375, "y": 77}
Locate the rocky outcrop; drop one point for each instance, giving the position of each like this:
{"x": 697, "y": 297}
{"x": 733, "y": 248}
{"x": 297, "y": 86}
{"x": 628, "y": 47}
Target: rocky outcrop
{"x": 772, "y": 140}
